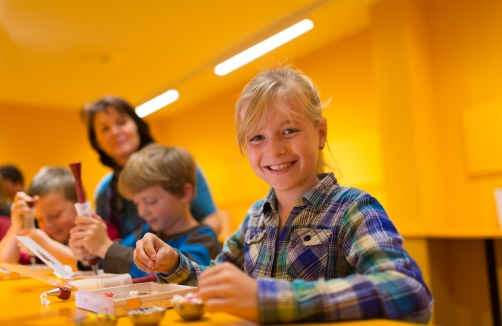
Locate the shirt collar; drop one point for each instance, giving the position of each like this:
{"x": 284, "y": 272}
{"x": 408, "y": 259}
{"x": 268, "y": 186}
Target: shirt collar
{"x": 315, "y": 196}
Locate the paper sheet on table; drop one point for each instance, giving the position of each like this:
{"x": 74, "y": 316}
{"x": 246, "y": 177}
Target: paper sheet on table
{"x": 39, "y": 275}
{"x": 59, "y": 269}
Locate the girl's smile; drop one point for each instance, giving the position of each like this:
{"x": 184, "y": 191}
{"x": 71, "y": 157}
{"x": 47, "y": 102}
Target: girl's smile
{"x": 284, "y": 152}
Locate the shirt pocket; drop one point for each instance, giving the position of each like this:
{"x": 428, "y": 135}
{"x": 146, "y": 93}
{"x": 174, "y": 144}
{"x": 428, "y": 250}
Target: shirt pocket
{"x": 307, "y": 254}
{"x": 253, "y": 250}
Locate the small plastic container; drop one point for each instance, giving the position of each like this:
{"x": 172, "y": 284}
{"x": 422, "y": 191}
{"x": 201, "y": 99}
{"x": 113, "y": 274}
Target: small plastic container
{"x": 148, "y": 316}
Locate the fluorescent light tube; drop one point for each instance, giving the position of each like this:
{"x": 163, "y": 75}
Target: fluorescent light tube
{"x": 157, "y": 103}
{"x": 261, "y": 48}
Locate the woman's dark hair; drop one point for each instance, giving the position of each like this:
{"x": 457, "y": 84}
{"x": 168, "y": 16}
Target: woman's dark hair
{"x": 90, "y": 110}
{"x": 115, "y": 201}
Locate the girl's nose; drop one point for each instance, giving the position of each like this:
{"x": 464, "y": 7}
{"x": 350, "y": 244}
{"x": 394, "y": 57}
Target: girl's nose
{"x": 275, "y": 147}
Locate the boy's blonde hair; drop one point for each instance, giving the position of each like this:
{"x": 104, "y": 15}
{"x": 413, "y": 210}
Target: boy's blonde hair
{"x": 286, "y": 89}
{"x": 168, "y": 167}
{"x": 54, "y": 179}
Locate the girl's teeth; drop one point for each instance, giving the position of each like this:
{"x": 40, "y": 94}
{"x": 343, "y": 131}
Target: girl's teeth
{"x": 280, "y": 166}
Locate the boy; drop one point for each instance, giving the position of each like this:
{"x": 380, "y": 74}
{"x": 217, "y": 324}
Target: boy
{"x": 53, "y": 192}
{"x": 161, "y": 182}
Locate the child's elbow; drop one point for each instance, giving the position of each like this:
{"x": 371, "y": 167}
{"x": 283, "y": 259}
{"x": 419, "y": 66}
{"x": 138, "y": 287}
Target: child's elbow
{"x": 421, "y": 308}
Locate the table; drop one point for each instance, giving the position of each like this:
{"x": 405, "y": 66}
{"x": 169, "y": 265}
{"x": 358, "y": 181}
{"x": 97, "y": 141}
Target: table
{"x": 20, "y": 305}
{"x": 488, "y": 235}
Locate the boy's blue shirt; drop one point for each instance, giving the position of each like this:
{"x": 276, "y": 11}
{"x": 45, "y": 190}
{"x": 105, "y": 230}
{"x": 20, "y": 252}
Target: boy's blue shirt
{"x": 338, "y": 257}
{"x": 200, "y": 244}
{"x": 201, "y": 206}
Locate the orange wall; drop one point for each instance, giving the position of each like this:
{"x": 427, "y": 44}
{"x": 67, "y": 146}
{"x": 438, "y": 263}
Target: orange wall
{"x": 408, "y": 92}
{"x": 343, "y": 72}
{"x": 32, "y": 138}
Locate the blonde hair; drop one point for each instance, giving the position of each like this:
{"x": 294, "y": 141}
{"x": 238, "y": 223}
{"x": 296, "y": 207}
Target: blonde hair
{"x": 54, "y": 179}
{"x": 287, "y": 89}
{"x": 168, "y": 167}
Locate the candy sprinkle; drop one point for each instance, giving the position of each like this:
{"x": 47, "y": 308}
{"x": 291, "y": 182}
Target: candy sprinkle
{"x": 146, "y": 310}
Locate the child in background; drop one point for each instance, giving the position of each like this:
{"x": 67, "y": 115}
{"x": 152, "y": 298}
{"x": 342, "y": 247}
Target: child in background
{"x": 312, "y": 250}
{"x": 53, "y": 193}
{"x": 161, "y": 182}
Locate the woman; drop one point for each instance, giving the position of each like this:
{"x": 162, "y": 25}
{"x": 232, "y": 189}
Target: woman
{"x": 116, "y": 132}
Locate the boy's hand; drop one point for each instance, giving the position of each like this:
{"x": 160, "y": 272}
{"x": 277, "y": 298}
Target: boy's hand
{"x": 20, "y": 207}
{"x": 78, "y": 251}
{"x": 37, "y": 235}
{"x": 91, "y": 234}
{"x": 226, "y": 288}
{"x": 154, "y": 255}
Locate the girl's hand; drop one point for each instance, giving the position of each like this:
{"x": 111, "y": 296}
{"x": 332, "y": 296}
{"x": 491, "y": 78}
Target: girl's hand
{"x": 154, "y": 255}
{"x": 91, "y": 234}
{"x": 226, "y": 288}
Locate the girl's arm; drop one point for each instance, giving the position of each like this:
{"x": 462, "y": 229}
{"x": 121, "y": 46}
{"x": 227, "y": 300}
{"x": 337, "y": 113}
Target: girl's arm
{"x": 187, "y": 272}
{"x": 387, "y": 282}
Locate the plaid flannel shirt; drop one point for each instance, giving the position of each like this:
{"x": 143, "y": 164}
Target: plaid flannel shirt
{"x": 338, "y": 257}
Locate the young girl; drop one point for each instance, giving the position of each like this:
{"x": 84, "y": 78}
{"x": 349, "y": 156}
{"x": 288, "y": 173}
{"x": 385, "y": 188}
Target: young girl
{"x": 312, "y": 250}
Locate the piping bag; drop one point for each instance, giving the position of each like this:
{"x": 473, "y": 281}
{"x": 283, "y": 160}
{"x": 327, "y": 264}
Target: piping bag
{"x": 29, "y": 223}
{"x": 92, "y": 284}
{"x": 83, "y": 208}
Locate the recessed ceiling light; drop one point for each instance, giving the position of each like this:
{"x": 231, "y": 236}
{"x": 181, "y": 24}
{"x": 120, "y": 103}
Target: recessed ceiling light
{"x": 157, "y": 103}
{"x": 261, "y": 48}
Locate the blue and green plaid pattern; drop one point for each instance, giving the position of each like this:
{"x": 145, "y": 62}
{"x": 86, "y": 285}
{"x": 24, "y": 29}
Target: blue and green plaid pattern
{"x": 338, "y": 257}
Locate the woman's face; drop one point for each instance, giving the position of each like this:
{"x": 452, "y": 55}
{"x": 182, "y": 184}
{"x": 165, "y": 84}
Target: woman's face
{"x": 117, "y": 134}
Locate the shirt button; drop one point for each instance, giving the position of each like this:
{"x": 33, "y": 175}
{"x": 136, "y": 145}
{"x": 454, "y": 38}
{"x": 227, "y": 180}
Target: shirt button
{"x": 307, "y": 238}
{"x": 407, "y": 265}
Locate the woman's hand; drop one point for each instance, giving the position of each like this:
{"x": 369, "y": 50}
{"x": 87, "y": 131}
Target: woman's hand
{"x": 91, "y": 234}
{"x": 154, "y": 255}
{"x": 226, "y": 288}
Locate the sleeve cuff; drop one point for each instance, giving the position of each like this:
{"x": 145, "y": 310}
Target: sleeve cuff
{"x": 276, "y": 302}
{"x": 180, "y": 274}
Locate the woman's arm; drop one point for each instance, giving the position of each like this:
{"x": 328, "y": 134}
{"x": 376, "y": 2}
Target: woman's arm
{"x": 202, "y": 207}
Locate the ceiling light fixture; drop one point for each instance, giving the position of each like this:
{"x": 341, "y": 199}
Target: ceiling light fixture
{"x": 157, "y": 103}
{"x": 261, "y": 48}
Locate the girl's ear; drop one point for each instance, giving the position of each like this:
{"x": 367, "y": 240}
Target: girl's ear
{"x": 187, "y": 193}
{"x": 323, "y": 132}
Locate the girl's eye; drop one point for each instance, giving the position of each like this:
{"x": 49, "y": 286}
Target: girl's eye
{"x": 290, "y": 131}
{"x": 256, "y": 138}
{"x": 151, "y": 202}
{"x": 105, "y": 129}
{"x": 121, "y": 122}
